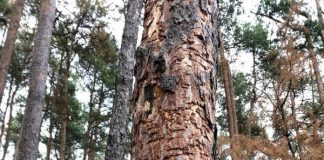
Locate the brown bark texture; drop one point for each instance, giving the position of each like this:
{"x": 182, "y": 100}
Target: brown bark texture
{"x": 27, "y": 148}
{"x": 230, "y": 102}
{"x": 174, "y": 100}
{"x": 118, "y": 135}
{"x": 8, "y": 48}
{"x": 229, "y": 92}
{"x": 63, "y": 104}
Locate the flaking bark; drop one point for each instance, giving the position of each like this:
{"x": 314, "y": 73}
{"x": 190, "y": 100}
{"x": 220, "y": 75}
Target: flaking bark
{"x": 173, "y": 114}
{"x": 27, "y": 148}
{"x": 118, "y": 135}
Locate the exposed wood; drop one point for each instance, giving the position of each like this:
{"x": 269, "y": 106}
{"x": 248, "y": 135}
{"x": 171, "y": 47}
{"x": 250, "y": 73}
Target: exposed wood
{"x": 173, "y": 114}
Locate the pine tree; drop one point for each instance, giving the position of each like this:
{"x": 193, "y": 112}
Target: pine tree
{"x": 27, "y": 148}
{"x": 8, "y": 49}
{"x": 118, "y": 127}
{"x": 173, "y": 113}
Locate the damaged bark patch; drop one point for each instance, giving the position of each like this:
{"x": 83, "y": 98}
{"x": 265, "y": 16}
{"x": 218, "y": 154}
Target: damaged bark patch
{"x": 160, "y": 64}
{"x": 174, "y": 115}
{"x": 202, "y": 78}
{"x": 140, "y": 55}
{"x": 149, "y": 97}
{"x": 149, "y": 93}
{"x": 169, "y": 83}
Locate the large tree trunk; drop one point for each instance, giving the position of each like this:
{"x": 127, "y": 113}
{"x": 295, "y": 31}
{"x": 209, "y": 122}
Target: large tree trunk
{"x": 27, "y": 148}
{"x": 8, "y": 48}
{"x": 173, "y": 114}
{"x": 117, "y": 138}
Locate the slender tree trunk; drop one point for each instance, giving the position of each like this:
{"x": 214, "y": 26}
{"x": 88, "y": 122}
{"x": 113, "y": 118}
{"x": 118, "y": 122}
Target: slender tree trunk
{"x": 63, "y": 133}
{"x": 8, "y": 48}
{"x": 254, "y": 97}
{"x": 174, "y": 114}
{"x": 6, "y": 109}
{"x": 320, "y": 19}
{"x": 51, "y": 117}
{"x": 8, "y": 132}
{"x": 93, "y": 141}
{"x": 315, "y": 65}
{"x": 27, "y": 148}
{"x": 96, "y": 127}
{"x": 230, "y": 102}
{"x": 92, "y": 150}
{"x": 296, "y": 125}
{"x": 64, "y": 110}
{"x": 3, "y": 36}
{"x": 91, "y": 119}
{"x": 117, "y": 137}
{"x": 50, "y": 138}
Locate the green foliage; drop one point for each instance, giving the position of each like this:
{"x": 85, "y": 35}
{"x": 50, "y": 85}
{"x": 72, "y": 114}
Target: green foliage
{"x": 272, "y": 7}
{"x": 242, "y": 88}
{"x": 242, "y": 92}
{"x": 5, "y": 11}
{"x": 32, "y": 7}
{"x": 229, "y": 12}
{"x": 270, "y": 64}
{"x": 75, "y": 126}
{"x": 20, "y": 63}
{"x": 82, "y": 38}
{"x": 252, "y": 38}
{"x": 15, "y": 128}
{"x": 100, "y": 56}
